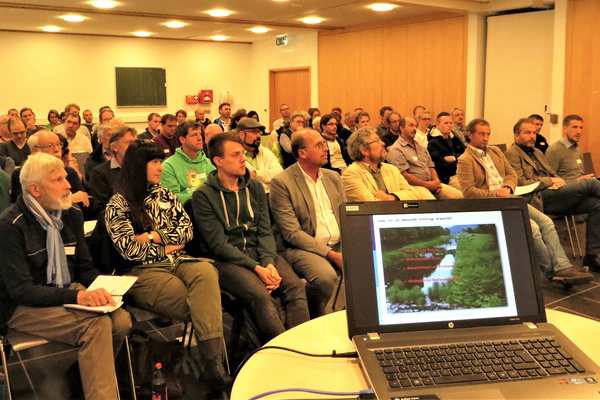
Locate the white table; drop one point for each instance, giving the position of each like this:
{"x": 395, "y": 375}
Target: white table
{"x": 275, "y": 369}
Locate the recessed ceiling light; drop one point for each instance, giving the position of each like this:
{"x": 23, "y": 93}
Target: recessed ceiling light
{"x": 219, "y": 13}
{"x": 104, "y": 4}
{"x": 259, "y": 30}
{"x": 175, "y": 24}
{"x": 218, "y": 37}
{"x": 51, "y": 28}
{"x": 311, "y": 20}
{"x": 280, "y": 0}
{"x": 141, "y": 34}
{"x": 382, "y": 7}
{"x": 73, "y": 18}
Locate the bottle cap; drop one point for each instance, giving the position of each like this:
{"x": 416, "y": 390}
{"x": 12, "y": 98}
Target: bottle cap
{"x": 158, "y": 365}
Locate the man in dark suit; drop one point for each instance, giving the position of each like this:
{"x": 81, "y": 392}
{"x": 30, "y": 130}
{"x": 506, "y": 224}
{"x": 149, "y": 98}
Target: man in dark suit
{"x": 553, "y": 195}
{"x": 304, "y": 202}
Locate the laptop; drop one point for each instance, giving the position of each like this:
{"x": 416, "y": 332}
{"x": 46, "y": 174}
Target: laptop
{"x": 443, "y": 302}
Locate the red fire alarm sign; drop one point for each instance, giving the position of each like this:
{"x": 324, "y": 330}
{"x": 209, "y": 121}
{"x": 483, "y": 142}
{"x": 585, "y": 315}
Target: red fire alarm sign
{"x": 205, "y": 96}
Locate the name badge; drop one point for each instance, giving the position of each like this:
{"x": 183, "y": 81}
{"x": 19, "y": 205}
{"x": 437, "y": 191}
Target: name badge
{"x": 578, "y": 161}
{"x": 166, "y": 150}
{"x": 70, "y": 250}
{"x": 415, "y": 158}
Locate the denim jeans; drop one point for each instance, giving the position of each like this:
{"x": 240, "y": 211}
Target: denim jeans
{"x": 550, "y": 255}
{"x": 579, "y": 197}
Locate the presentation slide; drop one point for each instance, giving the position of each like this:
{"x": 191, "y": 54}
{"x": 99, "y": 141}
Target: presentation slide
{"x": 432, "y": 268}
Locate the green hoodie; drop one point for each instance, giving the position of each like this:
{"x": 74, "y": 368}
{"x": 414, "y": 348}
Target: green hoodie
{"x": 183, "y": 175}
{"x": 231, "y": 222}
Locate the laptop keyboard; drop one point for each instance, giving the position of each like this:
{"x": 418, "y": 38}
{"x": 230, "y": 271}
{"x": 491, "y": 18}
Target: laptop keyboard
{"x": 475, "y": 362}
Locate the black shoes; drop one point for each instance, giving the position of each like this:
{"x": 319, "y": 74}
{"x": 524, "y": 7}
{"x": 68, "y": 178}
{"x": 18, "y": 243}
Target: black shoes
{"x": 215, "y": 375}
{"x": 592, "y": 261}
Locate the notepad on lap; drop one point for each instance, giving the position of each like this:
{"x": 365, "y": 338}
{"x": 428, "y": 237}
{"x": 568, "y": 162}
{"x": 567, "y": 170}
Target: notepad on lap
{"x": 116, "y": 285}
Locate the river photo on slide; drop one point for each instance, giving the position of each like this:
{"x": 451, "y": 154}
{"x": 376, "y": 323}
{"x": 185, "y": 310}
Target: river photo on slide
{"x": 433, "y": 268}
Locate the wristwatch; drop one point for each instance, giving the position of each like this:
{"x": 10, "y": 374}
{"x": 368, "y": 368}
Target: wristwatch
{"x": 151, "y": 237}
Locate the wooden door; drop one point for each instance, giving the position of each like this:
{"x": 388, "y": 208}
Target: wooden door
{"x": 290, "y": 86}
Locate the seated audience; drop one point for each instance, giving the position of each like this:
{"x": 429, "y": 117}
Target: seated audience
{"x": 102, "y": 152}
{"x": 565, "y": 156}
{"x": 337, "y": 155}
{"x": 553, "y": 195}
{"x": 363, "y": 119}
{"x": 5, "y": 134}
{"x": 16, "y": 148}
{"x": 148, "y": 225}
{"x": 260, "y": 161}
{"x": 78, "y": 143}
{"x": 153, "y": 127}
{"x": 458, "y": 124}
{"x": 445, "y": 148}
{"x": 224, "y": 116}
{"x": 166, "y": 139}
{"x": 348, "y": 125}
{"x": 484, "y": 172}
{"x": 189, "y": 167}
{"x": 104, "y": 176}
{"x": 47, "y": 142}
{"x": 393, "y": 122}
{"x": 415, "y": 163}
{"x": 285, "y": 112}
{"x": 236, "y": 118}
{"x": 7, "y": 165}
{"x": 53, "y": 120}
{"x": 282, "y": 148}
{"x": 423, "y": 122}
{"x": 383, "y": 128}
{"x": 29, "y": 117}
{"x": 369, "y": 178}
{"x": 181, "y": 116}
{"x": 88, "y": 119}
{"x": 45, "y": 264}
{"x": 232, "y": 213}
{"x": 305, "y": 201}
{"x": 540, "y": 141}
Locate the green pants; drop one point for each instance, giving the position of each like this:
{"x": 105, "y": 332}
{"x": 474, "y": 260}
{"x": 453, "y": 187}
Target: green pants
{"x": 187, "y": 292}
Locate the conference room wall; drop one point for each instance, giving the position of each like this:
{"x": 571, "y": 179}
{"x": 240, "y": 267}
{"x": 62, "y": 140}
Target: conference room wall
{"x": 582, "y": 76}
{"x": 44, "y": 71}
{"x": 416, "y": 61}
{"x": 301, "y": 51}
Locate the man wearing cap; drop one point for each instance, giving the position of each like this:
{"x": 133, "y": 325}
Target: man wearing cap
{"x": 260, "y": 161}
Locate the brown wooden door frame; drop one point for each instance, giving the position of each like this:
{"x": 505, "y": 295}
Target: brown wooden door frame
{"x": 274, "y": 108}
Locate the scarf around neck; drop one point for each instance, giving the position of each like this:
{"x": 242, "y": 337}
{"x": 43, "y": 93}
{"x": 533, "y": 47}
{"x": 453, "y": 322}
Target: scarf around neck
{"x": 57, "y": 271}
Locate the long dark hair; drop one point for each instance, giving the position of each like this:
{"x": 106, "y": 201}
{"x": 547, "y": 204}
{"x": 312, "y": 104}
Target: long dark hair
{"x": 132, "y": 181}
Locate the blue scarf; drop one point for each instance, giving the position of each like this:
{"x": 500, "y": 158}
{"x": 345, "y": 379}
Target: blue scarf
{"x": 57, "y": 271}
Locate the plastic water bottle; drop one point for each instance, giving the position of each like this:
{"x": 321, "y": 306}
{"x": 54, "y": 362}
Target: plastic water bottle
{"x": 159, "y": 386}
{"x": 3, "y": 387}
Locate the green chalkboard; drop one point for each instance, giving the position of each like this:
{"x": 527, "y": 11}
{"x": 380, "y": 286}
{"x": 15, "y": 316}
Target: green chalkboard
{"x": 141, "y": 87}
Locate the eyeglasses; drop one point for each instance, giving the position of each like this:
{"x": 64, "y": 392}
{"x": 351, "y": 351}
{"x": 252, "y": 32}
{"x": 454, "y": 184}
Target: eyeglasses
{"x": 19, "y": 133}
{"x": 57, "y": 145}
{"x": 320, "y": 145}
{"x": 379, "y": 141}
{"x": 331, "y": 123}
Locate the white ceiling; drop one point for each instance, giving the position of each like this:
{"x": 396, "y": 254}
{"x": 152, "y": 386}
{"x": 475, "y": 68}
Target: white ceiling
{"x": 281, "y": 17}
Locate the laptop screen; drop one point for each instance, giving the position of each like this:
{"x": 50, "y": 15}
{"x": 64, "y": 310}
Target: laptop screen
{"x": 438, "y": 264}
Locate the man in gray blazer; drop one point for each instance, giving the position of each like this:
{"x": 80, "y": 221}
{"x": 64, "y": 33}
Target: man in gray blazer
{"x": 305, "y": 201}
{"x": 553, "y": 195}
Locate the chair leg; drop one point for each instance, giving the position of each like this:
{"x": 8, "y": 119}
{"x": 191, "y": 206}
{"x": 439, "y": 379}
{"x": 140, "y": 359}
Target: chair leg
{"x": 577, "y": 236}
{"x": 226, "y": 356}
{"x": 570, "y": 235}
{"x": 337, "y": 291}
{"x": 131, "y": 378}
{"x": 191, "y": 335}
{"x": 5, "y": 367}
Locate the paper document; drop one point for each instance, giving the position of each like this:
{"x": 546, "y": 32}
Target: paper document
{"x": 116, "y": 285}
{"x": 521, "y": 190}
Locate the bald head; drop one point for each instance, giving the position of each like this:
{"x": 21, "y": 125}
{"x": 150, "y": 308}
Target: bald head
{"x": 4, "y": 131}
{"x": 45, "y": 141}
{"x": 211, "y": 130}
{"x": 309, "y": 148}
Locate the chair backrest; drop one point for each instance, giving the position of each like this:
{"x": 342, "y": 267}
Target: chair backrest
{"x": 588, "y": 164}
{"x": 106, "y": 258}
{"x": 501, "y": 146}
{"x": 193, "y": 246}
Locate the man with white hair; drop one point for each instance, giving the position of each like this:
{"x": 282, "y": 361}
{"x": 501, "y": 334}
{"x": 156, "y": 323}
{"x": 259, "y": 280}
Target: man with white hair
{"x": 47, "y": 142}
{"x": 46, "y": 264}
